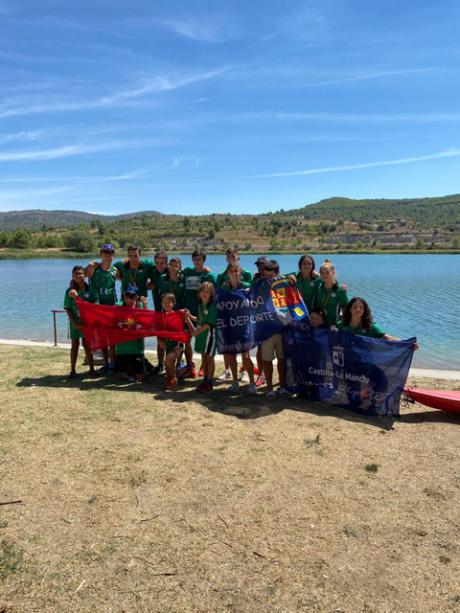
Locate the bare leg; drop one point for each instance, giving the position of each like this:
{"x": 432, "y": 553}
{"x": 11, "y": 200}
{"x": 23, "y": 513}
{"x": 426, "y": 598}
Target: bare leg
{"x": 282, "y": 371}
{"x": 268, "y": 370}
{"x": 233, "y": 366}
{"x": 74, "y": 353}
{"x": 248, "y": 366}
{"x": 89, "y": 357}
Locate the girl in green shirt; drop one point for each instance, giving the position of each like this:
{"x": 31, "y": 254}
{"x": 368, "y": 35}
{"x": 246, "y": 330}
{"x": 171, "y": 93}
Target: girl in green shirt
{"x": 205, "y": 333}
{"x": 357, "y": 319}
{"x": 307, "y": 279}
{"x": 329, "y": 295}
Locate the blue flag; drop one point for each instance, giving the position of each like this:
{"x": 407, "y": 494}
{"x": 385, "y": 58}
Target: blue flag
{"x": 247, "y": 317}
{"x": 352, "y": 371}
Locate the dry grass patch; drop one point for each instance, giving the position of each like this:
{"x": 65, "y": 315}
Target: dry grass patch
{"x": 136, "y": 500}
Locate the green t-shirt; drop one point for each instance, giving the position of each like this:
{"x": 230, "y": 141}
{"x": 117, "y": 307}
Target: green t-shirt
{"x": 104, "y": 282}
{"x": 135, "y": 276}
{"x": 155, "y": 277}
{"x": 246, "y": 279}
{"x": 331, "y": 300}
{"x": 193, "y": 280}
{"x": 207, "y": 314}
{"x": 166, "y": 285}
{"x": 375, "y": 331}
{"x": 134, "y": 347}
{"x": 307, "y": 288}
{"x": 88, "y": 294}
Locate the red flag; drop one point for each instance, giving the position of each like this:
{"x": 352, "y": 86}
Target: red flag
{"x": 109, "y": 325}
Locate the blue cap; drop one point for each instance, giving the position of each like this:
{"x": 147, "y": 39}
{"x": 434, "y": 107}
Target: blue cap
{"x": 131, "y": 289}
{"x": 108, "y": 247}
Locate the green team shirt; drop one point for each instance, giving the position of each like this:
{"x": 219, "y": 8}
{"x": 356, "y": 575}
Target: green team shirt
{"x": 166, "y": 285}
{"x": 207, "y": 314}
{"x": 134, "y": 347}
{"x": 375, "y": 331}
{"x": 104, "y": 282}
{"x": 246, "y": 279}
{"x": 307, "y": 287}
{"x": 88, "y": 294}
{"x": 155, "y": 277}
{"x": 330, "y": 300}
{"x": 193, "y": 280}
{"x": 135, "y": 276}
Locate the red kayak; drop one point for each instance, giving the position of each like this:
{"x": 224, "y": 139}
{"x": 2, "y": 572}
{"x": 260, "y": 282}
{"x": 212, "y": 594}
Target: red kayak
{"x": 438, "y": 399}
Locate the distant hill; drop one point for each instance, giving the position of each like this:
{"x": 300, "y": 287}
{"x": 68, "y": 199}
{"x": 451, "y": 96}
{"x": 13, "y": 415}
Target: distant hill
{"x": 427, "y": 211}
{"x": 341, "y": 224}
{"x": 36, "y": 219}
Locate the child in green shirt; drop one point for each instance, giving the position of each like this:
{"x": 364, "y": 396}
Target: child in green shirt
{"x": 78, "y": 288}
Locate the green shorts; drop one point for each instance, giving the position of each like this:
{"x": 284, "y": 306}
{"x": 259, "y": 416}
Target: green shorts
{"x": 173, "y": 345}
{"x": 74, "y": 333}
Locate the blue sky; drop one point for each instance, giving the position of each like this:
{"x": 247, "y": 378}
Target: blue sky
{"x": 195, "y": 107}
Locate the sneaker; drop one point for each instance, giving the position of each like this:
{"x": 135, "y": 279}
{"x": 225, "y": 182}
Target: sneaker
{"x": 170, "y": 384}
{"x": 282, "y": 391}
{"x": 72, "y": 375}
{"x": 225, "y": 376}
{"x": 158, "y": 369}
{"x": 132, "y": 379}
{"x": 103, "y": 370}
{"x": 187, "y": 372}
{"x": 201, "y": 372}
{"x": 260, "y": 380}
{"x": 271, "y": 394}
{"x": 234, "y": 386}
{"x": 252, "y": 389}
{"x": 204, "y": 388}
{"x": 244, "y": 377}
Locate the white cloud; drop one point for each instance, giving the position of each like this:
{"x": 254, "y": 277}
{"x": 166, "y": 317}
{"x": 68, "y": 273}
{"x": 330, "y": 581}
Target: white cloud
{"x": 314, "y": 171}
{"x": 365, "y": 77}
{"x": 69, "y": 150}
{"x": 122, "y": 98}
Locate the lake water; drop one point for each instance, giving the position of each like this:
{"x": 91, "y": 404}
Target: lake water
{"x": 410, "y": 295}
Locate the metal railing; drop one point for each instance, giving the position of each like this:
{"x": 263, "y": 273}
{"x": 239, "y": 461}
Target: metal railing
{"x": 55, "y": 330}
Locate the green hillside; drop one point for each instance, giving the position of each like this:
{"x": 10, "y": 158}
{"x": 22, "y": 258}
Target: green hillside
{"x": 340, "y": 224}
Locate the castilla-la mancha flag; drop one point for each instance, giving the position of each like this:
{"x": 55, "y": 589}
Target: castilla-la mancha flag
{"x": 109, "y": 325}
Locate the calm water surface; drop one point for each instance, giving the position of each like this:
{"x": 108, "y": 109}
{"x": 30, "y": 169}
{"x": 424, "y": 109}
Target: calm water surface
{"x": 410, "y": 295}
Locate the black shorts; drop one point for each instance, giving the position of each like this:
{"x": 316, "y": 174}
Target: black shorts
{"x": 131, "y": 363}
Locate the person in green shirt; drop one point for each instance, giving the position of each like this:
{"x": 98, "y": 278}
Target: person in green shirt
{"x": 157, "y": 275}
{"x": 173, "y": 282}
{"x": 78, "y": 288}
{"x": 307, "y": 279}
{"x": 159, "y": 269}
{"x": 329, "y": 295}
{"x": 129, "y": 356}
{"x": 194, "y": 276}
{"x": 102, "y": 277}
{"x": 205, "y": 333}
{"x": 357, "y": 319}
{"x": 235, "y": 282}
{"x": 134, "y": 271}
{"x": 233, "y": 259}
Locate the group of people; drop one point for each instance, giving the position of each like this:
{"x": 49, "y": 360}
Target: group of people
{"x": 193, "y": 290}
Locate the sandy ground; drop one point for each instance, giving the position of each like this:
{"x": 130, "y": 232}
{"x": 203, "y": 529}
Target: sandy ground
{"x": 133, "y": 499}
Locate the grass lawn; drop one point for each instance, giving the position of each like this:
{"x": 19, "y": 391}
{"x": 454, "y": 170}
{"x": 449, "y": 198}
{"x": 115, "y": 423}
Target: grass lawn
{"x": 137, "y": 500}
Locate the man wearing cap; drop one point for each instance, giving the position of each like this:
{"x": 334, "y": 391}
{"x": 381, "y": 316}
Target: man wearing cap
{"x": 102, "y": 277}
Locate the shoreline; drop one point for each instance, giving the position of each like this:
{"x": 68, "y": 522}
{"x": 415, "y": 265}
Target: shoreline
{"x": 434, "y": 373}
{"x": 14, "y": 255}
